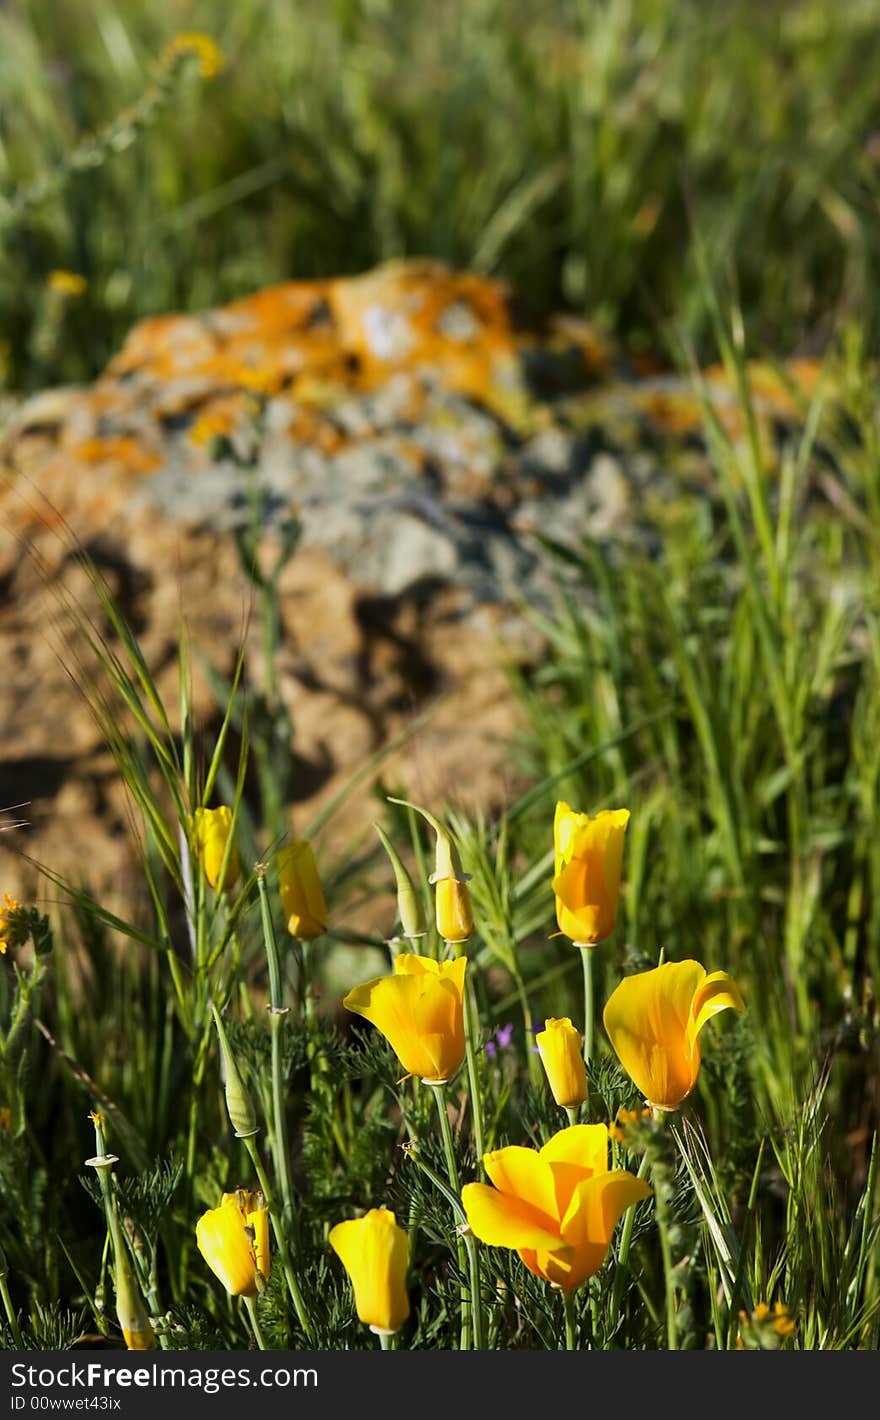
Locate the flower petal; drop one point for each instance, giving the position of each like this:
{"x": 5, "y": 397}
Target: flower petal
{"x": 375, "y": 1253}
{"x": 575, "y": 1154}
{"x": 504, "y": 1221}
{"x": 718, "y": 992}
{"x": 647, "y": 1019}
{"x": 523, "y": 1174}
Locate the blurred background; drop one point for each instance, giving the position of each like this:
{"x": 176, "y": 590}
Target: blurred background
{"x": 591, "y": 153}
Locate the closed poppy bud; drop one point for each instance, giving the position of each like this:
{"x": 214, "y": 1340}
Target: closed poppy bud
{"x": 409, "y": 902}
{"x": 588, "y": 857}
{"x": 455, "y": 918}
{"x": 654, "y": 1019}
{"x": 301, "y": 893}
{"x": 374, "y": 1251}
{"x": 239, "y": 1105}
{"x": 133, "y": 1319}
{"x": 212, "y": 829}
{"x": 234, "y": 1241}
{"x": 557, "y": 1206}
{"x": 420, "y": 1011}
{"x": 559, "y": 1046}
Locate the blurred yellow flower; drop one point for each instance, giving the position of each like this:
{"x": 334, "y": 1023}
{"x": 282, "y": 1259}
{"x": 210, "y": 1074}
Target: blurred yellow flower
{"x": 5, "y": 1119}
{"x": 420, "y": 1011}
{"x": 67, "y": 283}
{"x": 9, "y": 907}
{"x": 202, "y": 46}
{"x": 234, "y": 1241}
{"x": 557, "y": 1206}
{"x": 375, "y": 1253}
{"x": 654, "y": 1019}
{"x": 588, "y": 857}
{"x": 302, "y": 895}
{"x": 560, "y": 1048}
{"x": 212, "y": 829}
{"x": 765, "y": 1330}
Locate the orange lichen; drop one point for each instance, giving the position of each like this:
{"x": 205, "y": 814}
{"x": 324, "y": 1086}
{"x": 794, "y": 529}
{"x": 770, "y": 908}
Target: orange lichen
{"x": 120, "y": 449}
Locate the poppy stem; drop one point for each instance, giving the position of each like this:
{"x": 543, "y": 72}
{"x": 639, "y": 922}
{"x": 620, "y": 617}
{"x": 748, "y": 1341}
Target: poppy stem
{"x": 280, "y": 1232}
{"x": 10, "y": 1311}
{"x": 623, "y": 1251}
{"x": 279, "y": 1114}
{"x": 467, "y": 1241}
{"x": 471, "y": 1026}
{"x": 251, "y": 1304}
{"x": 587, "y": 960}
{"x": 570, "y": 1321}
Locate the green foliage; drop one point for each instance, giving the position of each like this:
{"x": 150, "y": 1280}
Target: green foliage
{"x": 602, "y": 141}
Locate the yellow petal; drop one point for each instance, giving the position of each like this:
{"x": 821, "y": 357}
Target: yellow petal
{"x": 553, "y": 1264}
{"x": 375, "y": 1253}
{"x": 559, "y": 1046}
{"x": 420, "y": 1014}
{"x": 647, "y": 1019}
{"x": 302, "y": 895}
{"x": 226, "y": 1247}
{"x": 523, "y": 1174}
{"x": 211, "y": 832}
{"x": 501, "y": 1220}
{"x": 717, "y": 992}
{"x": 575, "y": 1154}
{"x": 595, "y": 1207}
{"x": 453, "y": 910}
{"x": 258, "y": 1219}
{"x": 588, "y": 861}
{"x": 585, "y": 1145}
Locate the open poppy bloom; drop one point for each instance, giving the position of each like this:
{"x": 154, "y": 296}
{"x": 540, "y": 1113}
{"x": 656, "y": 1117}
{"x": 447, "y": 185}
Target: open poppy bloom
{"x": 420, "y": 1012}
{"x": 234, "y": 1241}
{"x": 557, "y": 1206}
{"x": 654, "y": 1019}
{"x": 588, "y": 858}
{"x": 375, "y": 1253}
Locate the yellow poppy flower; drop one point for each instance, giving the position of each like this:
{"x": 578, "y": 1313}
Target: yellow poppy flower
{"x": 301, "y": 893}
{"x": 234, "y": 1241}
{"x": 588, "y": 857}
{"x": 557, "y": 1206}
{"x": 420, "y": 1012}
{"x": 654, "y": 1021}
{"x": 375, "y": 1253}
{"x": 559, "y": 1046}
{"x": 212, "y": 828}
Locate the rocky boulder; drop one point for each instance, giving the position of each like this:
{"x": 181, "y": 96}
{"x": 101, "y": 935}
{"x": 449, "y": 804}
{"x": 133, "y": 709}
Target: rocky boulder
{"x": 422, "y": 428}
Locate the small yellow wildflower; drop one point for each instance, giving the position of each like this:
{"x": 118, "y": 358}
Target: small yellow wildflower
{"x": 763, "y": 1329}
{"x": 67, "y": 283}
{"x": 9, "y": 906}
{"x": 625, "y": 1119}
{"x": 5, "y": 1119}
{"x": 205, "y": 49}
